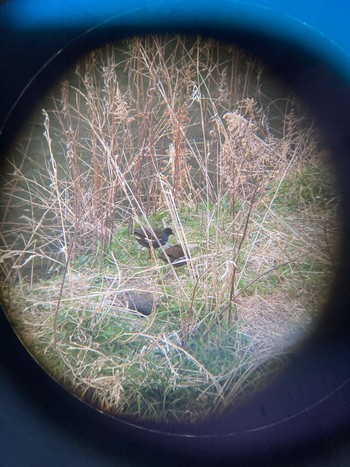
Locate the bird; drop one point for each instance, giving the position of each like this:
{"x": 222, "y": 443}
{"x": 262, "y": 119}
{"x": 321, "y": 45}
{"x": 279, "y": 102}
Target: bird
{"x": 152, "y": 238}
{"x": 141, "y": 301}
{"x": 174, "y": 255}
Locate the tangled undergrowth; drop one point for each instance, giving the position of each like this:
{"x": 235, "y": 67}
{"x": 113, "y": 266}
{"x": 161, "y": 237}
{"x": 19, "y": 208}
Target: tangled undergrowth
{"x": 183, "y": 139}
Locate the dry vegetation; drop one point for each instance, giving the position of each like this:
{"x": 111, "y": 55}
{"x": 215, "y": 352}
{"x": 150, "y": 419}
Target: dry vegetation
{"x": 167, "y": 132}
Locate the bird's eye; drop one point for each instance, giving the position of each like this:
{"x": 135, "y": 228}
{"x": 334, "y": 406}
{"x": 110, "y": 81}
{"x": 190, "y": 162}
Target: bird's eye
{"x": 169, "y": 228}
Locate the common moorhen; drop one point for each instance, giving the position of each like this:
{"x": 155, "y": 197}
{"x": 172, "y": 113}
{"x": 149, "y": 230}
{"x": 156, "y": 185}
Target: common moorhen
{"x": 152, "y": 238}
{"x": 174, "y": 255}
{"x": 140, "y": 301}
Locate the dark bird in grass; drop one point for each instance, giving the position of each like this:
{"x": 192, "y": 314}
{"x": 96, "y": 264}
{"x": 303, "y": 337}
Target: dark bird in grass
{"x": 152, "y": 238}
{"x": 140, "y": 301}
{"x": 174, "y": 255}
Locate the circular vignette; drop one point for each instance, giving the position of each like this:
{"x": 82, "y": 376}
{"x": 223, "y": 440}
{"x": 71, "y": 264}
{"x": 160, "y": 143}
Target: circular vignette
{"x": 298, "y": 402}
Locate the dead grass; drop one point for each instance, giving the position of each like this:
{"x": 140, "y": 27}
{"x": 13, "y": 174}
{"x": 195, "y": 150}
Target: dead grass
{"x": 275, "y": 325}
{"x": 184, "y": 141}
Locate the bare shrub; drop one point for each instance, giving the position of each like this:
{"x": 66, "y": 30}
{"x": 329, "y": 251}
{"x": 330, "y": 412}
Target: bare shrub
{"x": 175, "y": 132}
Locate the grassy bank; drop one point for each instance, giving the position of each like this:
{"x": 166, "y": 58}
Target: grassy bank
{"x": 168, "y": 132}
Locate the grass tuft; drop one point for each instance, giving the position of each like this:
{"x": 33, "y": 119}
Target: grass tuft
{"x": 167, "y": 132}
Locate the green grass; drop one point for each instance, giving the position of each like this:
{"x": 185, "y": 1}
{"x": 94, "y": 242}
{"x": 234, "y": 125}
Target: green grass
{"x": 259, "y": 210}
{"x": 175, "y": 364}
{"x": 310, "y": 187}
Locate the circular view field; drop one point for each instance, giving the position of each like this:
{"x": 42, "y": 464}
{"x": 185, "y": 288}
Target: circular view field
{"x": 169, "y": 228}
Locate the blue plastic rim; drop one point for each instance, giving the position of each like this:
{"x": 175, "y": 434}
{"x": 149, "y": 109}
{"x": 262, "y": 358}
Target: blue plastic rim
{"x": 321, "y": 25}
{"x": 319, "y": 29}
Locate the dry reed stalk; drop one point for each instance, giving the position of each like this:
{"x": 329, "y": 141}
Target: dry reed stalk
{"x": 213, "y": 185}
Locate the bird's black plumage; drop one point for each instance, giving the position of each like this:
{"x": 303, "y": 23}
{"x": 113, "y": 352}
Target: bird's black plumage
{"x": 152, "y": 238}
